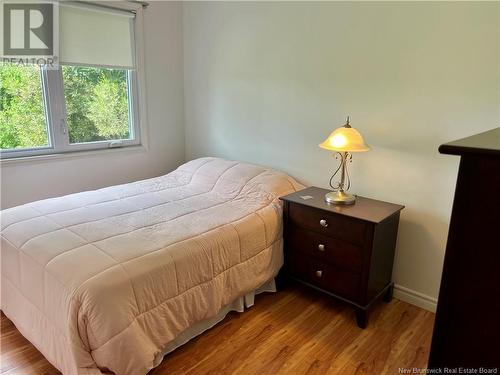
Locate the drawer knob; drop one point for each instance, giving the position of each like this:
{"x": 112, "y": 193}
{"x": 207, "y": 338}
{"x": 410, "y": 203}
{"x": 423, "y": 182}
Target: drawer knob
{"x": 323, "y": 223}
{"x": 319, "y": 273}
{"x": 321, "y": 247}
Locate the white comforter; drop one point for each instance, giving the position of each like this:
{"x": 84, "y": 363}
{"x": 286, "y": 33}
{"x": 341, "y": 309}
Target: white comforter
{"x": 105, "y": 279}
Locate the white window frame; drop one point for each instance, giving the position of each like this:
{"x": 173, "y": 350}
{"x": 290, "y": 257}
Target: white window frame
{"x": 55, "y": 104}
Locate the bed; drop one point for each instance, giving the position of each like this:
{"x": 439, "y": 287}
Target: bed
{"x": 112, "y": 279}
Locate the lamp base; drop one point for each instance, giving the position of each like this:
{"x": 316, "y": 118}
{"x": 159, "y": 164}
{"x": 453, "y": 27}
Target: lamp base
{"x": 340, "y": 197}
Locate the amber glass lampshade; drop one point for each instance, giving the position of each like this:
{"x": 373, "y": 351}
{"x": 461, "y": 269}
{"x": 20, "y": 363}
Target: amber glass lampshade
{"x": 344, "y": 139}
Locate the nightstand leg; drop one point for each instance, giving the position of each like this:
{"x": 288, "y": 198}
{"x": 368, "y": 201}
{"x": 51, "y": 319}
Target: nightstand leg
{"x": 388, "y": 293}
{"x": 362, "y": 317}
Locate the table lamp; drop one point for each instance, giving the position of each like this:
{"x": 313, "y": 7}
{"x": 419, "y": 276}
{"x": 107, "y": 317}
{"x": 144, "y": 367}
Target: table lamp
{"x": 344, "y": 141}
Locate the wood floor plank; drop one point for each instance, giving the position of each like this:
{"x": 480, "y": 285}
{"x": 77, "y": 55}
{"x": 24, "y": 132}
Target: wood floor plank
{"x": 296, "y": 331}
{"x": 287, "y": 339}
{"x": 262, "y": 325}
{"x": 319, "y": 352}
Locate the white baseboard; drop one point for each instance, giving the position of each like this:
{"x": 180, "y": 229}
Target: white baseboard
{"x": 415, "y": 298}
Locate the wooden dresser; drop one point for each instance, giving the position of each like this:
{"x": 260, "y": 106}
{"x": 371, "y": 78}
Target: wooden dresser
{"x": 467, "y": 329}
{"x": 344, "y": 251}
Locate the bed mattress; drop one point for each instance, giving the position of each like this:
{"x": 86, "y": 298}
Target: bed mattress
{"x": 105, "y": 279}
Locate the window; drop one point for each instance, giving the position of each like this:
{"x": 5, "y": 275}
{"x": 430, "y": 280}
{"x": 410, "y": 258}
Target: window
{"x": 88, "y": 102}
{"x": 97, "y": 104}
{"x": 23, "y": 121}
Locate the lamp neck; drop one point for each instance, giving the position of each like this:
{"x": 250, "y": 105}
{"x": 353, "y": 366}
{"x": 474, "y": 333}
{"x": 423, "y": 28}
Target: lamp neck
{"x": 343, "y": 170}
{"x": 344, "y": 184}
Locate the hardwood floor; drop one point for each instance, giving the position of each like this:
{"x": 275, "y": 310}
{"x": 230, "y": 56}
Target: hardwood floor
{"x": 296, "y": 331}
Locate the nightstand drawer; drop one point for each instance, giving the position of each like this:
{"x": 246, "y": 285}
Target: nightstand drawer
{"x": 329, "y": 224}
{"x": 337, "y": 252}
{"x": 324, "y": 276}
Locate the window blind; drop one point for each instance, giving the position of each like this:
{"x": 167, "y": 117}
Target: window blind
{"x": 92, "y": 35}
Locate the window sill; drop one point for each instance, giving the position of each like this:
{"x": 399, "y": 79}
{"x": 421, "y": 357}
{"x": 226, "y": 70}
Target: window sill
{"x": 70, "y": 155}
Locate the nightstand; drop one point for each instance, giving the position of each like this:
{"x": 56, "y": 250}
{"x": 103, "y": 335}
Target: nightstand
{"x": 344, "y": 251}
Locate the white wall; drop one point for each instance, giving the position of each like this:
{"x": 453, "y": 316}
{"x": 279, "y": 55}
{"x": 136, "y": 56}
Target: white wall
{"x": 28, "y": 181}
{"x": 267, "y": 82}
